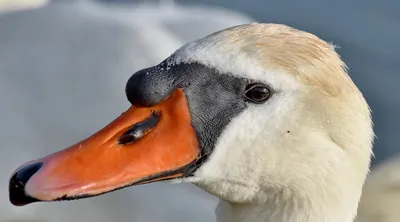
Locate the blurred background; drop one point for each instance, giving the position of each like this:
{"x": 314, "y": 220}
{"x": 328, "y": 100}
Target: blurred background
{"x": 64, "y": 65}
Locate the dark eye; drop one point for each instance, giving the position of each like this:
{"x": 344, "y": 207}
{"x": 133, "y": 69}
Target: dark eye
{"x": 257, "y": 93}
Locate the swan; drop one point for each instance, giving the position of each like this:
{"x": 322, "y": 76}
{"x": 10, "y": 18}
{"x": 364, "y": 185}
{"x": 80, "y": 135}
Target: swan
{"x": 263, "y": 116}
{"x": 380, "y": 199}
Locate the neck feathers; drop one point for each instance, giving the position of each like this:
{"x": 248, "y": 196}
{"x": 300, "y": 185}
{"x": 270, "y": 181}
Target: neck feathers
{"x": 289, "y": 210}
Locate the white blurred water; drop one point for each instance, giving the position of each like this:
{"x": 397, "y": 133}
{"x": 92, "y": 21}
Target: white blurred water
{"x": 18, "y": 5}
{"x": 63, "y": 70}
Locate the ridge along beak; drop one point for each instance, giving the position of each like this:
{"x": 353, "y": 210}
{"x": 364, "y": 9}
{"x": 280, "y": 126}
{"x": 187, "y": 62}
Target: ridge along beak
{"x": 143, "y": 145}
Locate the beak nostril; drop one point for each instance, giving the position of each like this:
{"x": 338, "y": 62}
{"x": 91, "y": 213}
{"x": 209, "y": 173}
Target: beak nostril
{"x": 140, "y": 129}
{"x": 126, "y": 139}
{"x": 18, "y": 181}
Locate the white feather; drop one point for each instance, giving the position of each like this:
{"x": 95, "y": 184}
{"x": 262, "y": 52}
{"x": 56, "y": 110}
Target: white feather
{"x": 302, "y": 156}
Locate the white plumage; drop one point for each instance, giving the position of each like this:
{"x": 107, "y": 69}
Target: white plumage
{"x": 301, "y": 157}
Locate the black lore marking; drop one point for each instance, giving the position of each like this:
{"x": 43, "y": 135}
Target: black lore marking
{"x": 213, "y": 98}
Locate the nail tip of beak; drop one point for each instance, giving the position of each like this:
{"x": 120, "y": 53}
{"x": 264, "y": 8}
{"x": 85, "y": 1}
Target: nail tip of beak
{"x": 17, "y": 184}
{"x": 22, "y": 202}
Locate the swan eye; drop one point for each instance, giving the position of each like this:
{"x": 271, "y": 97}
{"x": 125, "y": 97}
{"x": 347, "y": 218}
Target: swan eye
{"x": 257, "y": 93}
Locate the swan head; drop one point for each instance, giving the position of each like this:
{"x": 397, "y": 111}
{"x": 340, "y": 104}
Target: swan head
{"x": 310, "y": 141}
{"x": 252, "y": 114}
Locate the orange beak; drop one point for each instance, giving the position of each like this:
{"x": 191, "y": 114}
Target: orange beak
{"x": 142, "y": 145}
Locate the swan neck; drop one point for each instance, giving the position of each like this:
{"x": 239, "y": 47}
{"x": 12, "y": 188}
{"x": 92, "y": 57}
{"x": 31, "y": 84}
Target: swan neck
{"x": 231, "y": 212}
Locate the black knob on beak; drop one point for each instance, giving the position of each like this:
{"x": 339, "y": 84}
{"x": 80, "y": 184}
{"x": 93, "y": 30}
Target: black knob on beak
{"x": 151, "y": 86}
